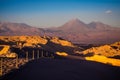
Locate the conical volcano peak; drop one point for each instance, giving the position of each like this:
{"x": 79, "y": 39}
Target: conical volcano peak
{"x": 74, "y": 22}
{"x": 73, "y": 25}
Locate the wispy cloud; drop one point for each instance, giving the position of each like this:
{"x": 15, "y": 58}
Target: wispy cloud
{"x": 108, "y": 12}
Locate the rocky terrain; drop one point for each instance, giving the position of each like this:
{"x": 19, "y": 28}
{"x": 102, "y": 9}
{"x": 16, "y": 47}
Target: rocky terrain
{"x": 19, "y": 45}
{"x": 110, "y": 50}
{"x": 5, "y": 52}
{"x": 47, "y": 43}
{"x": 60, "y": 49}
{"x": 64, "y": 48}
{"x": 9, "y": 64}
{"x": 108, "y": 54}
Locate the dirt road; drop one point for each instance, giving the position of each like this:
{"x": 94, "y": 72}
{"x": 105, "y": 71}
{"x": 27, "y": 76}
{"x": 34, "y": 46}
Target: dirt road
{"x": 64, "y": 69}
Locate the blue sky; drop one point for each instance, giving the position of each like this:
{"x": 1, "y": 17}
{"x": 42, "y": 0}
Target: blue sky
{"x": 49, "y": 13}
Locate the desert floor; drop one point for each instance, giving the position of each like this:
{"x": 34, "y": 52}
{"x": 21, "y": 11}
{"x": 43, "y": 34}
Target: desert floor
{"x": 64, "y": 69}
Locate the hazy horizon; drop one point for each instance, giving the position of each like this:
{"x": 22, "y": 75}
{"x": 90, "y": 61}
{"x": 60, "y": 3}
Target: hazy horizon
{"x": 54, "y": 13}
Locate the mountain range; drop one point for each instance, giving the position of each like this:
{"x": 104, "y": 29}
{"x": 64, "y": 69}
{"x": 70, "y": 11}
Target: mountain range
{"x": 8, "y": 28}
{"x": 74, "y": 30}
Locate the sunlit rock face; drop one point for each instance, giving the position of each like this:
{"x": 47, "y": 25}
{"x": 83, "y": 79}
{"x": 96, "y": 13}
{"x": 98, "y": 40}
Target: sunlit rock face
{"x": 105, "y": 60}
{"x": 105, "y": 50}
{"x": 34, "y": 40}
{"x": 25, "y": 40}
{"x": 48, "y": 43}
{"x": 103, "y": 53}
{"x": 5, "y": 52}
{"x": 62, "y": 54}
{"x": 61, "y": 42}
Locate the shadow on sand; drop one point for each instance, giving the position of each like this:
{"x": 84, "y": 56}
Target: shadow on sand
{"x": 64, "y": 69}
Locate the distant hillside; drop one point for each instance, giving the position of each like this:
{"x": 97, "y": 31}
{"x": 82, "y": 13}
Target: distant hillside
{"x": 94, "y": 32}
{"x": 74, "y": 30}
{"x": 7, "y": 28}
{"x": 74, "y": 25}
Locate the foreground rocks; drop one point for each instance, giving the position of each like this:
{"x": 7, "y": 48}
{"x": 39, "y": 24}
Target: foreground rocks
{"x": 9, "y": 64}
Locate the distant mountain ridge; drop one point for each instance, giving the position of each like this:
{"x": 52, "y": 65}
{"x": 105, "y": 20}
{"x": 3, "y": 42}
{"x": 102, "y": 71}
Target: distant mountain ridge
{"x": 94, "y": 32}
{"x": 73, "y": 25}
{"x": 74, "y": 30}
{"x": 7, "y": 28}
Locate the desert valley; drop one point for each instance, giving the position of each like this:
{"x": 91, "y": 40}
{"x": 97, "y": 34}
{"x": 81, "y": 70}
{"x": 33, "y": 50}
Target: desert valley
{"x": 59, "y": 39}
{"x": 71, "y": 51}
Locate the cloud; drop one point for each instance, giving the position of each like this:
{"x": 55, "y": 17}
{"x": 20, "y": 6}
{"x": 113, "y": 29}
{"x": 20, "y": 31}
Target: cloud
{"x": 108, "y": 12}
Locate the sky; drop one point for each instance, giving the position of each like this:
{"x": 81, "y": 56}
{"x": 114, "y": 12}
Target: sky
{"x": 54, "y": 13}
